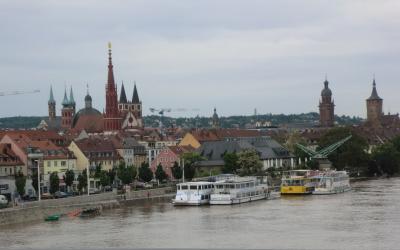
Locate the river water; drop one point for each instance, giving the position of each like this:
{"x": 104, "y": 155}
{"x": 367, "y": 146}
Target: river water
{"x": 368, "y": 217}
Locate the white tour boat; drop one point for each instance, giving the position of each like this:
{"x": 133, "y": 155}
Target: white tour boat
{"x": 239, "y": 190}
{"x": 193, "y": 193}
{"x": 332, "y": 182}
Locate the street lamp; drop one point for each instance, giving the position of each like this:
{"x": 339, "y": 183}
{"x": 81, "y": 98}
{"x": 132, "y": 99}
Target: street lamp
{"x": 88, "y": 181}
{"x": 38, "y": 176}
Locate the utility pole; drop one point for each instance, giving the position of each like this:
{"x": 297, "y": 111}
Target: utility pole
{"x": 88, "y": 180}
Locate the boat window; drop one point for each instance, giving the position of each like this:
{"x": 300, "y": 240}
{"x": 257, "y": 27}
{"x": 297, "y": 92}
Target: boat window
{"x": 178, "y": 187}
{"x": 252, "y": 184}
{"x": 193, "y": 187}
{"x": 237, "y": 186}
{"x": 247, "y": 184}
{"x": 232, "y": 186}
{"x": 220, "y": 186}
{"x": 184, "y": 187}
{"x": 242, "y": 185}
{"x": 200, "y": 187}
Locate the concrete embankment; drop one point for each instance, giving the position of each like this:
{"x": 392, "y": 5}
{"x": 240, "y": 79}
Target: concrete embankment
{"x": 33, "y": 211}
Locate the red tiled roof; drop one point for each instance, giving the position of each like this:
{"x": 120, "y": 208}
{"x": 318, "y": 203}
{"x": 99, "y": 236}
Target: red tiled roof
{"x": 179, "y": 150}
{"x": 8, "y": 157}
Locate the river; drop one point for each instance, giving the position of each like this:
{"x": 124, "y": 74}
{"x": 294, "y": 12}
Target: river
{"x": 368, "y": 217}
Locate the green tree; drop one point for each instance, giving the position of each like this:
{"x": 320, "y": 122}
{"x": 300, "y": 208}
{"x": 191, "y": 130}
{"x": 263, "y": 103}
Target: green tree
{"x": 54, "y": 182}
{"x": 387, "y": 158}
{"x": 176, "y": 171}
{"x": 69, "y": 178}
{"x": 98, "y": 170}
{"x": 249, "y": 162}
{"x": 352, "y": 155}
{"x": 190, "y": 161}
{"x": 160, "y": 173}
{"x": 104, "y": 178}
{"x": 20, "y": 182}
{"x": 34, "y": 178}
{"x": 126, "y": 173}
{"x": 111, "y": 175}
{"x": 145, "y": 173}
{"x": 82, "y": 181}
{"x": 230, "y": 163}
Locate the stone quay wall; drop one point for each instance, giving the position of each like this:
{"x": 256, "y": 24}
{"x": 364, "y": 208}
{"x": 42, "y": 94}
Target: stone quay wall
{"x": 33, "y": 211}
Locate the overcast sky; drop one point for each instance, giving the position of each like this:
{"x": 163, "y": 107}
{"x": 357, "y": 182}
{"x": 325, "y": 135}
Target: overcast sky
{"x": 235, "y": 55}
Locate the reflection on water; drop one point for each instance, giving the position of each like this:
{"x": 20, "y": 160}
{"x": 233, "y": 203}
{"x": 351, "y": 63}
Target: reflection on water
{"x": 368, "y": 217}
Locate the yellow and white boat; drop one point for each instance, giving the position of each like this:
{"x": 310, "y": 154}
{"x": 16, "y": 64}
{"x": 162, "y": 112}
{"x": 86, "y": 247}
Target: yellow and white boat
{"x": 299, "y": 182}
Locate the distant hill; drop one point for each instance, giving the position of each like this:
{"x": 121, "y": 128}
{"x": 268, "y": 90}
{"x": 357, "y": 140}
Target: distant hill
{"x": 307, "y": 119}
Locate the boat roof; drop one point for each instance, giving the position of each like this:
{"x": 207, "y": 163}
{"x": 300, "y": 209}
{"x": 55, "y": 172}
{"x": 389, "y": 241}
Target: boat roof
{"x": 195, "y": 183}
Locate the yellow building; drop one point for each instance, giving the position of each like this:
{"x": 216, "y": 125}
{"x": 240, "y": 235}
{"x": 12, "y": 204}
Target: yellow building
{"x": 94, "y": 152}
{"x": 197, "y": 137}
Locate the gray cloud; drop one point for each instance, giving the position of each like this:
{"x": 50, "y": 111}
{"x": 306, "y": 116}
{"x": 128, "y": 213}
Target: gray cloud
{"x": 235, "y": 55}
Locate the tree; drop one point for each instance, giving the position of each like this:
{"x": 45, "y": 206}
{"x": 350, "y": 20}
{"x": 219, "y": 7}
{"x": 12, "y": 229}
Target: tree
{"x": 82, "y": 181}
{"x": 69, "y": 178}
{"x": 387, "y": 158}
{"x": 54, "y": 182}
{"x": 111, "y": 175}
{"x": 97, "y": 171}
{"x": 351, "y": 155}
{"x": 20, "y": 182}
{"x": 104, "y": 178}
{"x": 176, "y": 171}
{"x": 126, "y": 173}
{"x": 190, "y": 160}
{"x": 160, "y": 173}
{"x": 34, "y": 178}
{"x": 145, "y": 173}
{"x": 249, "y": 162}
{"x": 230, "y": 163}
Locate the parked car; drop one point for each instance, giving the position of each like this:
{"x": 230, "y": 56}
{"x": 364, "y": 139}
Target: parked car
{"x": 94, "y": 191}
{"x": 28, "y": 197}
{"x": 3, "y": 201}
{"x": 59, "y": 194}
{"x": 46, "y": 196}
{"x": 108, "y": 188}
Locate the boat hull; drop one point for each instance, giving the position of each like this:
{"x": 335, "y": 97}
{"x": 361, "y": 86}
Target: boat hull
{"x": 296, "y": 190}
{"x": 232, "y": 201}
{"x": 189, "y": 203}
{"x": 320, "y": 191}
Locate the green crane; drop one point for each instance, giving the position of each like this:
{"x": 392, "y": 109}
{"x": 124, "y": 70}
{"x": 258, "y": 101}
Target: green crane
{"x": 322, "y": 155}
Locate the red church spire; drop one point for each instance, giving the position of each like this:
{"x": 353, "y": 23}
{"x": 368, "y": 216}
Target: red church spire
{"x": 112, "y": 118}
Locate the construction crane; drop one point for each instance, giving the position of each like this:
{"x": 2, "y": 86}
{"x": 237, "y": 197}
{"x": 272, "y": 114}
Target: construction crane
{"x": 18, "y": 92}
{"x": 162, "y": 111}
{"x": 321, "y": 156}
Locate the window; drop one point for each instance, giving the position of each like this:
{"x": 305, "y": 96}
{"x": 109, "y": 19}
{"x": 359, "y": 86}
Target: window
{"x": 184, "y": 187}
{"x": 55, "y": 163}
{"x": 193, "y": 187}
{"x": 49, "y": 163}
{"x": 63, "y": 163}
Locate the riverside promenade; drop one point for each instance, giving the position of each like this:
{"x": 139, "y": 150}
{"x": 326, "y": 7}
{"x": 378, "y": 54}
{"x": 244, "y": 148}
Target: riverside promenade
{"x": 38, "y": 210}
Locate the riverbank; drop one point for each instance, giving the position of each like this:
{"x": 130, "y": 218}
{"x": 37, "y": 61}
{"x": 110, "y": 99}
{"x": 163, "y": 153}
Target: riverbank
{"x": 34, "y": 211}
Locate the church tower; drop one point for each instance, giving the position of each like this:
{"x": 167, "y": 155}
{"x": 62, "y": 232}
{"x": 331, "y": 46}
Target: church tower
{"x": 215, "y": 119}
{"x": 67, "y": 111}
{"x": 112, "y": 118}
{"x": 52, "y": 105}
{"x": 374, "y": 107}
{"x": 326, "y": 107}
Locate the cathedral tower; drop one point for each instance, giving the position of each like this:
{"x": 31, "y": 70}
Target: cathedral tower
{"x": 52, "y": 105}
{"x": 374, "y": 106}
{"x": 326, "y": 107}
{"x": 67, "y": 111}
{"x": 112, "y": 117}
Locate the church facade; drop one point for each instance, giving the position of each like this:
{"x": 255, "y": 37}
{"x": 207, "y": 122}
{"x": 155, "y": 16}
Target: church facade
{"x": 122, "y": 114}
